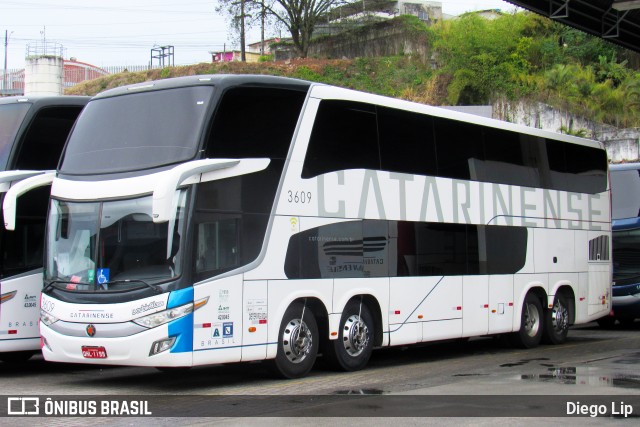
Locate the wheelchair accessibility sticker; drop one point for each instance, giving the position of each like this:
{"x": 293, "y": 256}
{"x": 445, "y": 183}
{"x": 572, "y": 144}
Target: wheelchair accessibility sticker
{"x": 103, "y": 277}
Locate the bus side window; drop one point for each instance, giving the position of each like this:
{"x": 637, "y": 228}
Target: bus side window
{"x": 46, "y": 137}
{"x": 344, "y": 136}
{"x": 406, "y": 142}
{"x": 217, "y": 245}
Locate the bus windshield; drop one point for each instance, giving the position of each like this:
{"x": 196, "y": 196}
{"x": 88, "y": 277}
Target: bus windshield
{"x": 153, "y": 129}
{"x": 113, "y": 245}
{"x": 11, "y": 117}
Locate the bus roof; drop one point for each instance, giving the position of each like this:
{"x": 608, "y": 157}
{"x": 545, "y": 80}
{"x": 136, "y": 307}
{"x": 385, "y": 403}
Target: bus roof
{"x": 45, "y": 101}
{"x": 334, "y": 92}
{"x": 220, "y": 80}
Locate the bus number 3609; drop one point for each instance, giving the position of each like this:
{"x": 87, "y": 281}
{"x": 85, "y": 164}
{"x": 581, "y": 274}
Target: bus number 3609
{"x": 299, "y": 196}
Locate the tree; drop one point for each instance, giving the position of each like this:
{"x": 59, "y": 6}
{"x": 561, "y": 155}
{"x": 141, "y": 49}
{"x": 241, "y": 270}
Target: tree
{"x": 244, "y": 14}
{"x": 300, "y": 18}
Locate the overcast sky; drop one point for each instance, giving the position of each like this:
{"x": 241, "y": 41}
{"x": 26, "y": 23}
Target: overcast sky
{"x": 123, "y": 32}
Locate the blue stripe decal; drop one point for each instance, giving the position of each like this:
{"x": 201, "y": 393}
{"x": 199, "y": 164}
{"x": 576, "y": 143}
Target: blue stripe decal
{"x": 236, "y": 346}
{"x": 625, "y": 224}
{"x": 181, "y": 297}
{"x": 182, "y": 328}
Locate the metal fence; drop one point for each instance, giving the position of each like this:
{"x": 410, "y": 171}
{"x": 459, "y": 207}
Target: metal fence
{"x": 12, "y": 80}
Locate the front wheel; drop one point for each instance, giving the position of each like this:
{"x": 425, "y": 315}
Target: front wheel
{"x": 352, "y": 350}
{"x": 556, "y": 325}
{"x": 297, "y": 342}
{"x": 531, "y": 327}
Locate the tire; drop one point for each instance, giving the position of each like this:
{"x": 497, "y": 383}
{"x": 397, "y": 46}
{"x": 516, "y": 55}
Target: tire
{"x": 556, "y": 321}
{"x": 16, "y": 356}
{"x": 531, "y": 324}
{"x": 352, "y": 350}
{"x": 297, "y": 342}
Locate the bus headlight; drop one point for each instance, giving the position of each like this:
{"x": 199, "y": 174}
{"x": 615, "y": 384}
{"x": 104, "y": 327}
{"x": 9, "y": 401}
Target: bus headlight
{"x": 47, "y": 318}
{"x": 162, "y": 317}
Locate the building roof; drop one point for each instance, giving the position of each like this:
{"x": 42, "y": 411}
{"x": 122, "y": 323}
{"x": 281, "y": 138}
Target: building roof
{"x": 617, "y": 21}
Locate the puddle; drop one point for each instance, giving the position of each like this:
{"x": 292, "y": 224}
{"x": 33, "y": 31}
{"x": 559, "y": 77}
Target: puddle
{"x": 469, "y": 375}
{"x": 585, "y": 376}
{"x": 363, "y": 391}
{"x": 523, "y": 362}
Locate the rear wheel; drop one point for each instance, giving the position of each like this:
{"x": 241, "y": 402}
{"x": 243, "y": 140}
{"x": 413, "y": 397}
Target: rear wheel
{"x": 556, "y": 325}
{"x": 352, "y": 350}
{"x": 297, "y": 342}
{"x": 531, "y": 327}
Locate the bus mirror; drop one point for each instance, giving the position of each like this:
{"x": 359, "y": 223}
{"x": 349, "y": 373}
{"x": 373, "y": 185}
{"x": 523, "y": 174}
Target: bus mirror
{"x": 18, "y": 189}
{"x": 163, "y": 196}
{"x": 7, "y": 177}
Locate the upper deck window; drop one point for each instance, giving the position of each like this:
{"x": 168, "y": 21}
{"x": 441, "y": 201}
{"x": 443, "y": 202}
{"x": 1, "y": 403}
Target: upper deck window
{"x": 137, "y": 131}
{"x": 11, "y": 116}
{"x": 354, "y": 135}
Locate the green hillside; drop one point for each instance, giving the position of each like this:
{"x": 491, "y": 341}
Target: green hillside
{"x": 473, "y": 61}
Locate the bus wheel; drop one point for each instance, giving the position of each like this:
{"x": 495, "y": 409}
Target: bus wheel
{"x": 352, "y": 350}
{"x": 531, "y": 326}
{"x": 556, "y": 324}
{"x": 298, "y": 341}
{"x": 16, "y": 356}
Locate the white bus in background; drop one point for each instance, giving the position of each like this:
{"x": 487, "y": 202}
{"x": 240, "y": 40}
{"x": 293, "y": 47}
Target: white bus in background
{"x": 32, "y": 134}
{"x": 217, "y": 219}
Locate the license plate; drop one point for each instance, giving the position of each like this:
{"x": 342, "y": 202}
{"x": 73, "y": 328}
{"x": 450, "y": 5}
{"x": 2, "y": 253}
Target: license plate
{"x": 94, "y": 352}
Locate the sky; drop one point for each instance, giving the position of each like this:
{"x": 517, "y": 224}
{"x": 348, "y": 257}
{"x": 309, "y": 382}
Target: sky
{"x": 123, "y": 32}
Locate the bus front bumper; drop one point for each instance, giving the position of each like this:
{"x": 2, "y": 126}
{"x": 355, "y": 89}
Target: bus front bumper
{"x": 133, "y": 350}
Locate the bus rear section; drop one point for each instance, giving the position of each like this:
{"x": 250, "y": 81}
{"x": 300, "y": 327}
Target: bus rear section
{"x": 242, "y": 218}
{"x": 33, "y": 131}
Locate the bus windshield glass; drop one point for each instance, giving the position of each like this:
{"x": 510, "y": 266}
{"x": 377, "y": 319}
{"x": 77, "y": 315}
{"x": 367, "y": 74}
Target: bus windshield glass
{"x": 11, "y": 116}
{"x": 153, "y": 129}
{"x": 114, "y": 245}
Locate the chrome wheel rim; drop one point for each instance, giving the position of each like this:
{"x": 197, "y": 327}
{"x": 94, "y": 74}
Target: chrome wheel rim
{"x": 296, "y": 341}
{"x": 355, "y": 335}
{"x": 559, "y": 317}
{"x": 531, "y": 320}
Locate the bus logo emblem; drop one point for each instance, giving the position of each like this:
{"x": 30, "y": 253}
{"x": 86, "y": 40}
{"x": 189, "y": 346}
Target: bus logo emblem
{"x": 91, "y": 330}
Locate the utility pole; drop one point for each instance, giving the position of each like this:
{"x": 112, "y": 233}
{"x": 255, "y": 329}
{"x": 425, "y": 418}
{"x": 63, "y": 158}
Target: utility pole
{"x": 262, "y": 18}
{"x": 243, "y": 56}
{"x": 4, "y": 70}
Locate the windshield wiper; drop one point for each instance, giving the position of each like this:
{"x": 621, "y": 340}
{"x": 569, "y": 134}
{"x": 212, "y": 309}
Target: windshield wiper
{"x": 113, "y": 282}
{"x": 63, "y": 282}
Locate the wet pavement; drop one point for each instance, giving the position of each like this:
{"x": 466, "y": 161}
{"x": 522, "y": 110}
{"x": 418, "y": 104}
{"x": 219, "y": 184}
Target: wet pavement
{"x": 484, "y": 376}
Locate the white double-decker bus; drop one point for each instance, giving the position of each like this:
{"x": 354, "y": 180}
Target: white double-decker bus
{"x": 217, "y": 219}
{"x": 33, "y": 131}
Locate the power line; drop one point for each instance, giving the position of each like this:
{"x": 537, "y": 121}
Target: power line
{"x": 40, "y": 6}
